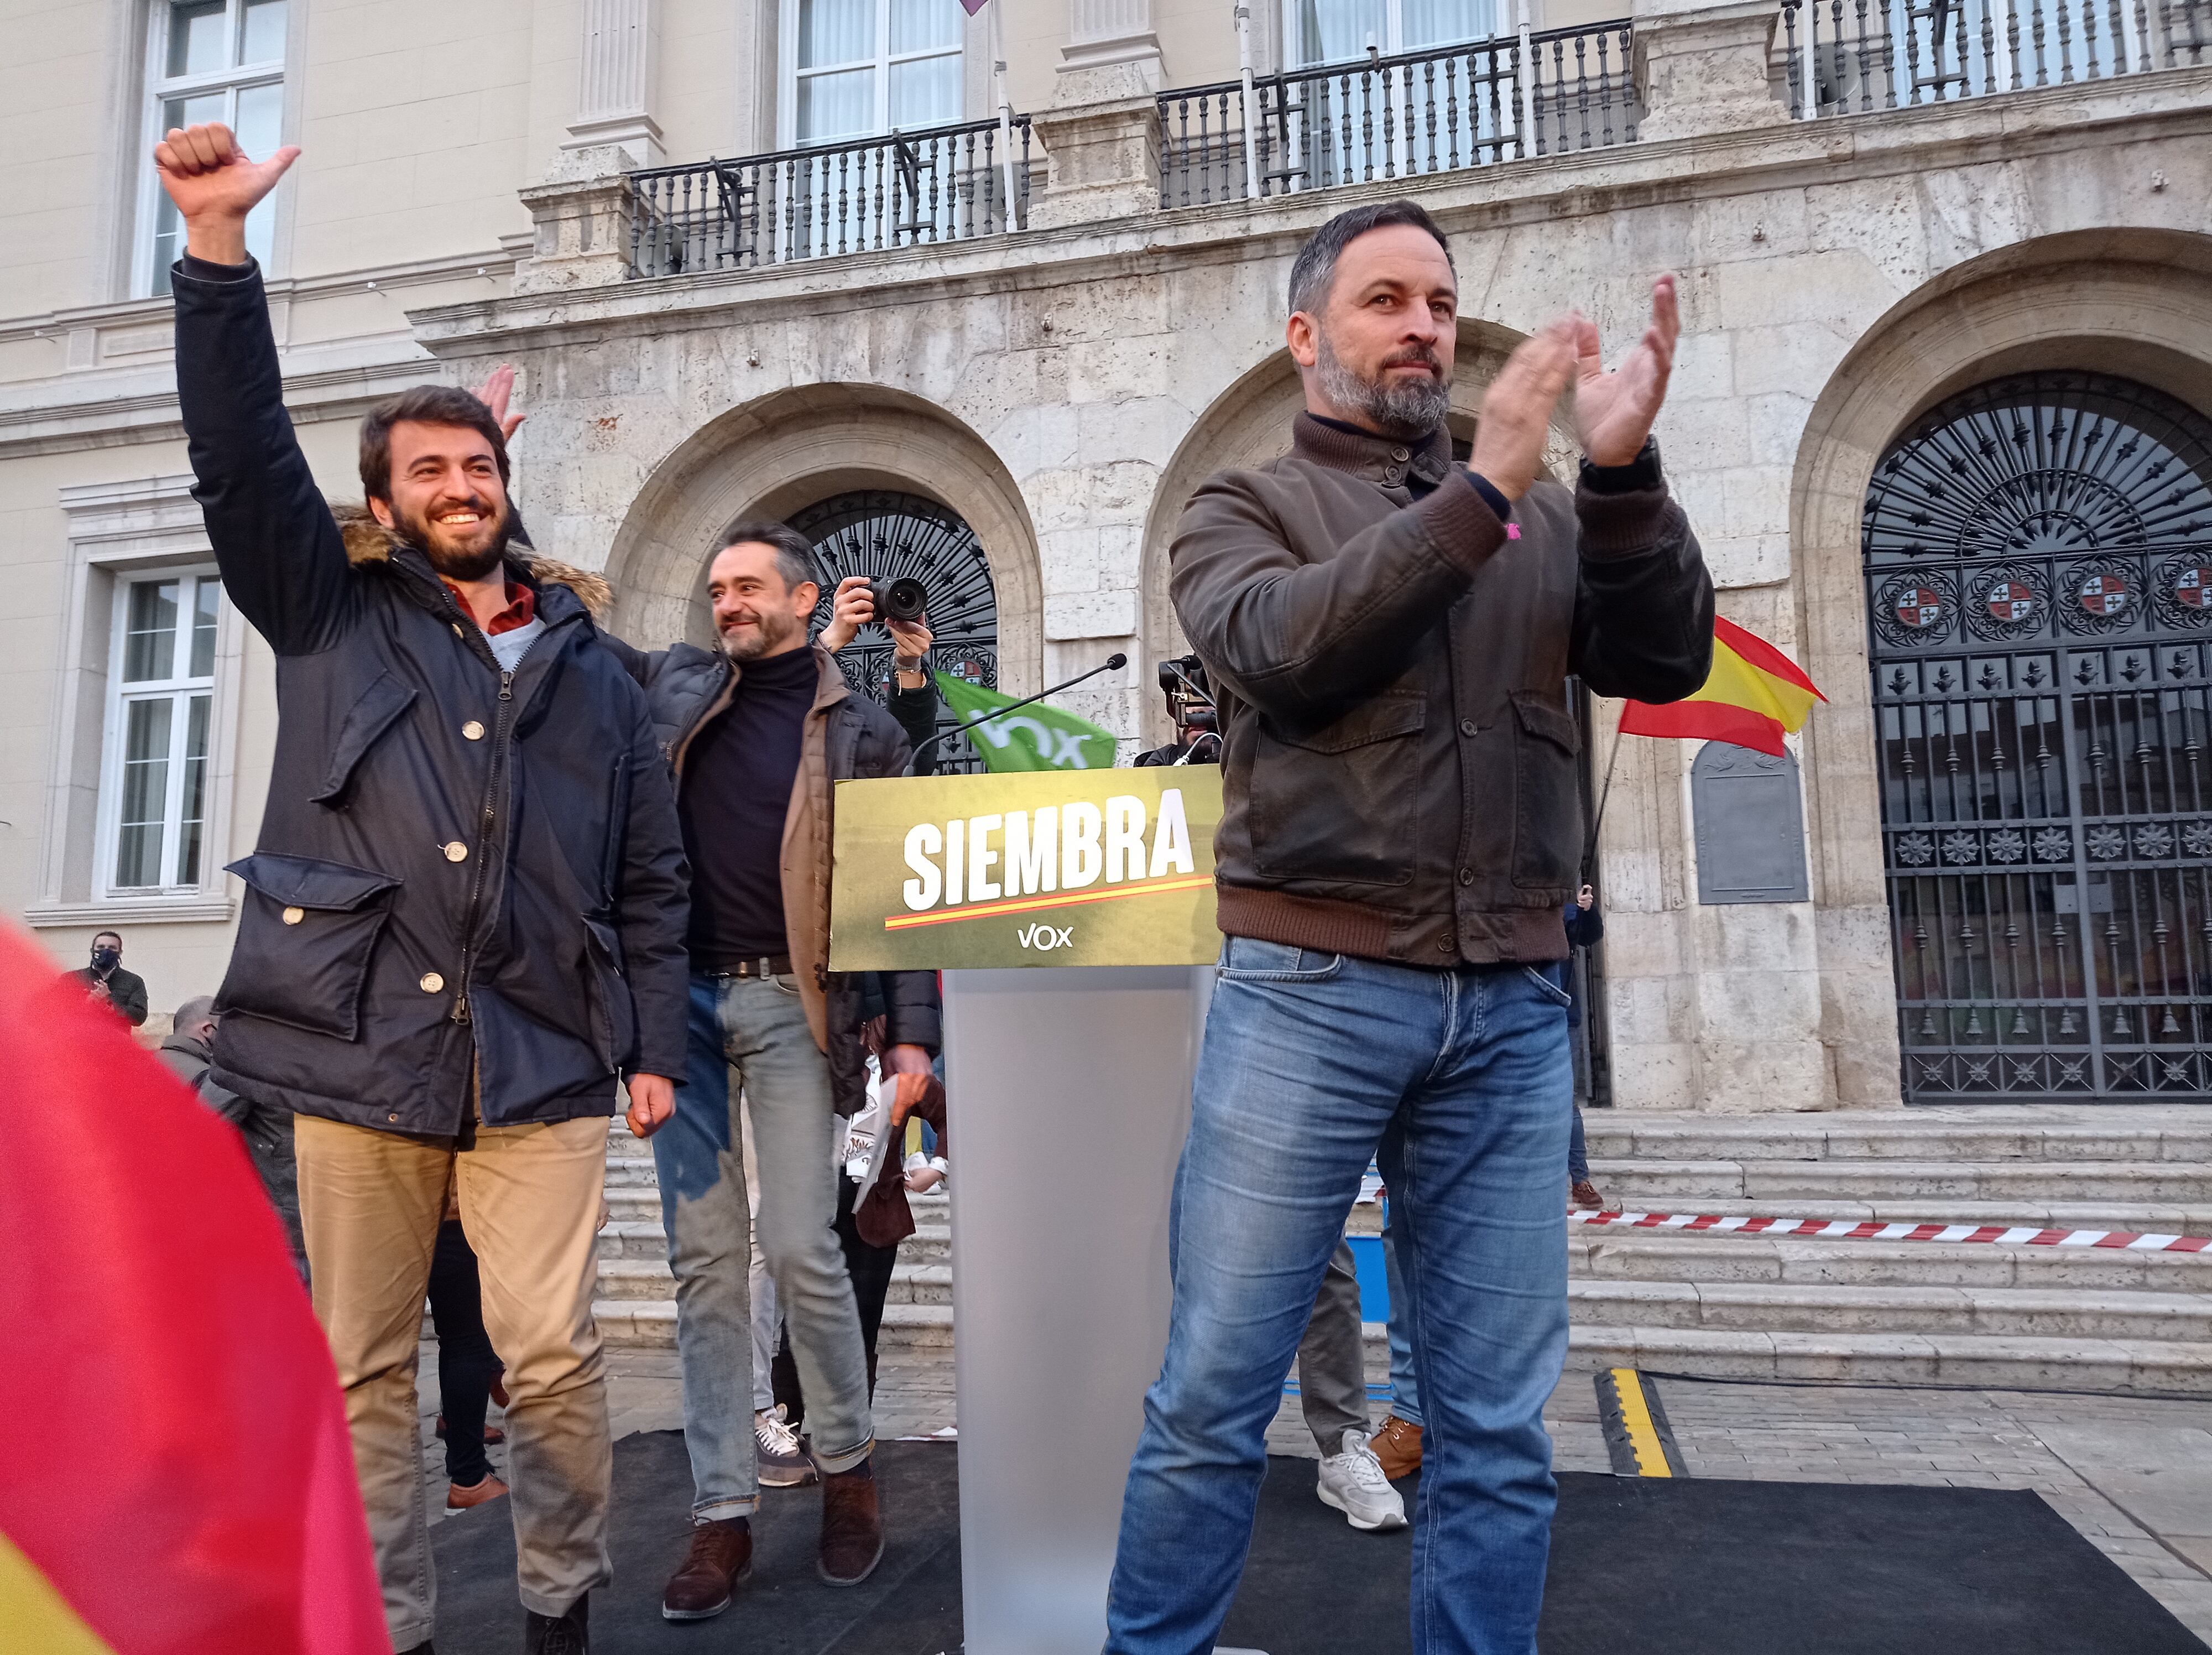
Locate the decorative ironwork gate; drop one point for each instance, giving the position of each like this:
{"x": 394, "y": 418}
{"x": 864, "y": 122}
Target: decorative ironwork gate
{"x": 885, "y": 535}
{"x": 2038, "y": 556}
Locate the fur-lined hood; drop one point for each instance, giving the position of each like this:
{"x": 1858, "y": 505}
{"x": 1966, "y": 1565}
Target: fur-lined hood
{"x": 367, "y": 541}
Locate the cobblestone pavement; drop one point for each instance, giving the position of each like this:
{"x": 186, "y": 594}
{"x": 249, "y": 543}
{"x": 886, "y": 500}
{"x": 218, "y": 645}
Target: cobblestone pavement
{"x": 2133, "y": 1474}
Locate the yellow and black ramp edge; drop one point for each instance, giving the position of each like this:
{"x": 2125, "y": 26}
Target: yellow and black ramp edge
{"x": 1637, "y": 1435}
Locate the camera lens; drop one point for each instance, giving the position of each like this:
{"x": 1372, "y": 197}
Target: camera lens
{"x": 903, "y": 599}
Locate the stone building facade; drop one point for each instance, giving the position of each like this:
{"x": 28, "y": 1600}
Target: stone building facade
{"x": 1041, "y": 400}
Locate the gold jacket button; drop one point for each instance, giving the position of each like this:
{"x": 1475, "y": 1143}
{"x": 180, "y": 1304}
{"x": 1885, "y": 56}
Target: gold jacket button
{"x": 432, "y": 983}
{"x": 472, "y": 730}
{"x": 457, "y": 852}
{"x": 294, "y": 915}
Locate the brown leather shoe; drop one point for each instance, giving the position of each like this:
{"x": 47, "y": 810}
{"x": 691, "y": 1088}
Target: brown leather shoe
{"x": 721, "y": 1557}
{"x": 851, "y": 1526}
{"x": 1585, "y": 1195}
{"x": 1398, "y": 1445}
{"x": 458, "y": 1499}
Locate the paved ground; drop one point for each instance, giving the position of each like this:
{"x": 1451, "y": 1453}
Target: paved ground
{"x": 2133, "y": 1475}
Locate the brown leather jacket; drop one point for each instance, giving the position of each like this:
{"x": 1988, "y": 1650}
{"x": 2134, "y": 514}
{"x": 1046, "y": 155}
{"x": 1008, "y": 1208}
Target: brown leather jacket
{"x": 1400, "y": 761}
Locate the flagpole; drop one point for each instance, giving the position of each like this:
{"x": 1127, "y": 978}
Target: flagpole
{"x": 1589, "y": 853}
{"x": 1244, "y": 71}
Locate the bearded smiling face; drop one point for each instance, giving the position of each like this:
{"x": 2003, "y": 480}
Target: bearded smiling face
{"x": 1407, "y": 396}
{"x": 448, "y": 500}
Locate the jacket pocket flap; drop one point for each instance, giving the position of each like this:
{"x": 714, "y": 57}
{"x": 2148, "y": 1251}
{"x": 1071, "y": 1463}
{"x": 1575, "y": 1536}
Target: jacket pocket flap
{"x": 369, "y": 718}
{"x": 1376, "y": 720}
{"x": 304, "y": 882}
{"x": 1539, "y": 717}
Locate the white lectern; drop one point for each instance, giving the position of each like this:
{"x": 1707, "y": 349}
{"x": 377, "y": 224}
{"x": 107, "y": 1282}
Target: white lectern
{"x": 1072, "y": 914}
{"x": 1072, "y": 1093}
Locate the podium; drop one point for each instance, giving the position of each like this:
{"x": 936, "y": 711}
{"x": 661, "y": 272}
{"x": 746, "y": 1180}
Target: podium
{"x": 1071, "y": 915}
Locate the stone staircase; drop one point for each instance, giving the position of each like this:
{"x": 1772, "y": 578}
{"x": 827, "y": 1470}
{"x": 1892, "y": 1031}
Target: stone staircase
{"x": 1780, "y": 1308}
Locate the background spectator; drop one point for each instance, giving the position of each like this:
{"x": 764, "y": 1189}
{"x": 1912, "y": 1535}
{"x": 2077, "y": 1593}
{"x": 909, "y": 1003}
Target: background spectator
{"x": 267, "y": 1131}
{"x": 109, "y": 983}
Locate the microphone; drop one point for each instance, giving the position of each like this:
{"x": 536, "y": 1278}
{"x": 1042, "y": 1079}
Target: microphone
{"x": 1113, "y": 663}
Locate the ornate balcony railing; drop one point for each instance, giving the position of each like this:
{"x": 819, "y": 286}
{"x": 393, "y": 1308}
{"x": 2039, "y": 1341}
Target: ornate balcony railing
{"x": 1425, "y": 111}
{"x": 1883, "y": 54}
{"x": 898, "y": 190}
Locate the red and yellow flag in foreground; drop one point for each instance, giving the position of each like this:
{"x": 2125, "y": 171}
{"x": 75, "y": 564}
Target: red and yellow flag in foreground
{"x": 175, "y": 1476}
{"x": 1752, "y": 697}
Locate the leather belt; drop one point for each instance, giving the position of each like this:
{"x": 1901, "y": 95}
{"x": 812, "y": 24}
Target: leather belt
{"x": 766, "y": 965}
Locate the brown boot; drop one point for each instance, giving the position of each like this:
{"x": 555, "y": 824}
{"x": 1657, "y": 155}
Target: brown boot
{"x": 1585, "y": 1194}
{"x": 721, "y": 1557}
{"x": 458, "y": 1499}
{"x": 1398, "y": 1445}
{"x": 851, "y": 1526}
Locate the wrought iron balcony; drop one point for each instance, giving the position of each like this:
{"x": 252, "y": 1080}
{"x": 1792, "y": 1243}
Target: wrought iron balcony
{"x": 1419, "y": 112}
{"x": 1865, "y": 55}
{"x": 896, "y": 190}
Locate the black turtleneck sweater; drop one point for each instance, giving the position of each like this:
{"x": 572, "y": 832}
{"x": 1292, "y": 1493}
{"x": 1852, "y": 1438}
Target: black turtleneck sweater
{"x": 738, "y": 777}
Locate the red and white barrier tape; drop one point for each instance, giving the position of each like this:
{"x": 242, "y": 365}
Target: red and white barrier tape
{"x": 1846, "y": 1229}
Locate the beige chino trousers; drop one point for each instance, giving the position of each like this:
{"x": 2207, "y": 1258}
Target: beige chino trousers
{"x": 370, "y": 1203}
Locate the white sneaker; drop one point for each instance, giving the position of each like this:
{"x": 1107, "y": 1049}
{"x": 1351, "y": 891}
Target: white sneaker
{"x": 1353, "y": 1482}
{"x": 783, "y": 1464}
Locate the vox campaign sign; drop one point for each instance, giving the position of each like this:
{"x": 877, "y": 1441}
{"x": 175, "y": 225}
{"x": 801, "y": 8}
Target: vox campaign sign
{"x": 1039, "y": 867}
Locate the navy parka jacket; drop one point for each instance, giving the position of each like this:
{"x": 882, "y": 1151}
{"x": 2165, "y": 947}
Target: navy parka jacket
{"x": 469, "y": 897}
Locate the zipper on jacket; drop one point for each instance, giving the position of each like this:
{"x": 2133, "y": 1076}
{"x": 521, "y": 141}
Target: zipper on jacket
{"x": 485, "y": 822}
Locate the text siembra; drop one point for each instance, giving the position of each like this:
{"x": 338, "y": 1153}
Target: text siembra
{"x": 1054, "y": 848}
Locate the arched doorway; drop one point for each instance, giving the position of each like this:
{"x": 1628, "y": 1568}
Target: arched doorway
{"x": 885, "y": 535}
{"x": 2038, "y": 559}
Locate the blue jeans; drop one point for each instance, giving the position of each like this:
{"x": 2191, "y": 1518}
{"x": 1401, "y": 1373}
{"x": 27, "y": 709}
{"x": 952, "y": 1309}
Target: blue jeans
{"x": 750, "y": 1033}
{"x": 1404, "y": 1387}
{"x": 1460, "y": 1082}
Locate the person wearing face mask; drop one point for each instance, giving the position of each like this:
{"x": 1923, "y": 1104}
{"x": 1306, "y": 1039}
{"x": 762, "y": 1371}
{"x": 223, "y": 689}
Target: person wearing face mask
{"x": 463, "y": 923}
{"x": 106, "y": 980}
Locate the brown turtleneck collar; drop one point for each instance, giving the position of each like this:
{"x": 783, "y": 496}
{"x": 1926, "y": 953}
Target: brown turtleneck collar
{"x": 1386, "y": 460}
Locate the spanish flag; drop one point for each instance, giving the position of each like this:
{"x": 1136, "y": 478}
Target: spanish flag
{"x": 175, "y": 1475}
{"x": 1754, "y": 696}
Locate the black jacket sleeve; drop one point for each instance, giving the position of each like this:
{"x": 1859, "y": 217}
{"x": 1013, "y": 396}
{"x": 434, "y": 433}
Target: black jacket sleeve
{"x": 282, "y": 562}
{"x": 916, "y": 712}
{"x": 655, "y": 909}
{"x": 1584, "y": 928}
{"x": 1643, "y": 607}
{"x": 129, "y": 997}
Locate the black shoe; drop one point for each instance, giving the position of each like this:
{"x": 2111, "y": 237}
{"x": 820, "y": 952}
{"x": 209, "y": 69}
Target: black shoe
{"x": 569, "y": 1635}
{"x": 423, "y": 1648}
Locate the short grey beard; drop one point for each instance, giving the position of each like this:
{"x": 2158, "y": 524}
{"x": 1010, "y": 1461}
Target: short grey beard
{"x": 1403, "y": 410}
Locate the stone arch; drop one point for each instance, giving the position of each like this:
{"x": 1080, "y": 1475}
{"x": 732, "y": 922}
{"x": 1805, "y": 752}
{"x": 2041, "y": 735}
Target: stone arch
{"x": 1250, "y": 422}
{"x": 772, "y": 457}
{"x": 2116, "y": 301}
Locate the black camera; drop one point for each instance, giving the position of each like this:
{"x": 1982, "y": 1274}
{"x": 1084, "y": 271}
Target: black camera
{"x": 1190, "y": 694}
{"x": 904, "y": 599}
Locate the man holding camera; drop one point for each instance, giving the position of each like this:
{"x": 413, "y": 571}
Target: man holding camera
{"x": 757, "y": 732}
{"x": 1390, "y": 636}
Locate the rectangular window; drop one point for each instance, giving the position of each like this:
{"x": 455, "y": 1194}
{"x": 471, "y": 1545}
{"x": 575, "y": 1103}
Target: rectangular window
{"x": 1339, "y": 31}
{"x": 870, "y": 66}
{"x": 211, "y": 60}
{"x": 161, "y": 703}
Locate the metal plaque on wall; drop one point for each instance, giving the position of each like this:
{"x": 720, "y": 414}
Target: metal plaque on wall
{"x": 1750, "y": 824}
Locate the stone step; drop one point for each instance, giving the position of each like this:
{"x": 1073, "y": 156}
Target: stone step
{"x": 2052, "y": 1132}
{"x": 2111, "y": 1367}
{"x": 1667, "y": 1255}
{"x": 1641, "y": 1182}
{"x": 1796, "y": 1307}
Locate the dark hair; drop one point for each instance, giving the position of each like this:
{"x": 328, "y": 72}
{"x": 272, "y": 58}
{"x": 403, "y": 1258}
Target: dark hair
{"x": 1315, "y": 266}
{"x": 794, "y": 552}
{"x": 117, "y": 935}
{"x": 425, "y": 404}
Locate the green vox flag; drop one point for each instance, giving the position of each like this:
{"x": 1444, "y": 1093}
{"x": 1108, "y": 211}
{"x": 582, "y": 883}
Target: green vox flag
{"x": 1037, "y": 738}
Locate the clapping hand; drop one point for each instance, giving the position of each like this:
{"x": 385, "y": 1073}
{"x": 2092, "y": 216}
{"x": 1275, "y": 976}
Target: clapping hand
{"x": 1614, "y": 411}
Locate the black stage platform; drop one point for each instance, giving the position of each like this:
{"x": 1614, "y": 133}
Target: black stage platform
{"x": 1639, "y": 1566}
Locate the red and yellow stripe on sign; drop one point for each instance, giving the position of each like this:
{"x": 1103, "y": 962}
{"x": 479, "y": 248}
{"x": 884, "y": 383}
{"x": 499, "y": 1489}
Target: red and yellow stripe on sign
{"x": 1031, "y": 905}
{"x": 1752, "y": 697}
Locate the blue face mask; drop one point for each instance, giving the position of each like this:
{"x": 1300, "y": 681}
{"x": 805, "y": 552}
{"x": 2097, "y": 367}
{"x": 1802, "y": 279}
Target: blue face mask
{"x": 106, "y": 958}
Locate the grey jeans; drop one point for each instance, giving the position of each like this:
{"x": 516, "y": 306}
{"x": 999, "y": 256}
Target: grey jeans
{"x": 1332, "y": 1365}
{"x": 750, "y": 1034}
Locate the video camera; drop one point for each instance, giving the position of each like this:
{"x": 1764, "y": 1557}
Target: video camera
{"x": 1190, "y": 694}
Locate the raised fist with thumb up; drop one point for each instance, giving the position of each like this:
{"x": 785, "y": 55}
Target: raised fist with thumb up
{"x": 215, "y": 187}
